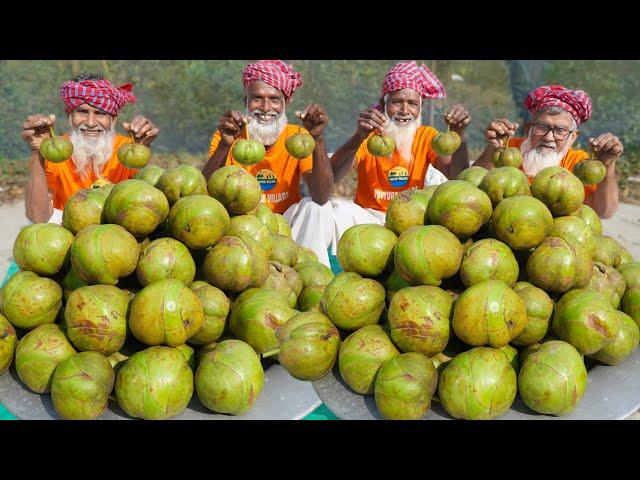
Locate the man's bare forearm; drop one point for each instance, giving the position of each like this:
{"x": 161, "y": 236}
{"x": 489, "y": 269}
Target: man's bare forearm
{"x": 342, "y": 159}
{"x": 459, "y": 160}
{"x": 605, "y": 199}
{"x": 486, "y": 158}
{"x": 444, "y": 165}
{"x": 321, "y": 178}
{"x": 216, "y": 160}
{"x": 38, "y": 206}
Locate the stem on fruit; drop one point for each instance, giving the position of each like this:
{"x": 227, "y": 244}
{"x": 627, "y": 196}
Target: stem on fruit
{"x": 246, "y": 127}
{"x": 51, "y": 130}
{"x": 270, "y": 353}
{"x": 133, "y": 140}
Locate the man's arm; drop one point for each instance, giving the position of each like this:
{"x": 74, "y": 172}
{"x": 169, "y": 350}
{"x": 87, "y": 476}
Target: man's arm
{"x": 458, "y": 119}
{"x": 444, "y": 165}
{"x": 230, "y": 127}
{"x": 342, "y": 160}
{"x": 607, "y": 149}
{"x": 605, "y": 199}
{"x": 460, "y": 158}
{"x": 38, "y": 207}
{"x": 216, "y": 160}
{"x": 496, "y": 136}
{"x": 320, "y": 179}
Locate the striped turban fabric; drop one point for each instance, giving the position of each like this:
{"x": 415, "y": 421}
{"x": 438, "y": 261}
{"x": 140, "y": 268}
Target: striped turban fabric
{"x": 97, "y": 93}
{"x": 418, "y": 78}
{"x": 275, "y": 73}
{"x": 576, "y": 102}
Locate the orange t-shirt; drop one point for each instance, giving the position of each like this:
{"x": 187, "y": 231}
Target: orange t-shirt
{"x": 278, "y": 173}
{"x": 382, "y": 178}
{"x": 569, "y": 162}
{"x": 63, "y": 179}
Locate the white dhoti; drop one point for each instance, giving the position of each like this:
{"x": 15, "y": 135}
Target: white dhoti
{"x": 347, "y": 214}
{"x": 312, "y": 226}
{"x": 56, "y": 217}
{"x": 434, "y": 176}
{"x": 320, "y": 227}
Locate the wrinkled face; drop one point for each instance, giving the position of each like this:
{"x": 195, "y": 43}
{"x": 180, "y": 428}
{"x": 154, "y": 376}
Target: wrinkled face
{"x": 264, "y": 102}
{"x": 404, "y": 106}
{"x": 552, "y": 132}
{"x": 91, "y": 121}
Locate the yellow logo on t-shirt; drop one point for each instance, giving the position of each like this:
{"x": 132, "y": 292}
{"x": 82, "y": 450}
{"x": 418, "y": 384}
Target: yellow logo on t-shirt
{"x": 267, "y": 179}
{"x": 398, "y": 177}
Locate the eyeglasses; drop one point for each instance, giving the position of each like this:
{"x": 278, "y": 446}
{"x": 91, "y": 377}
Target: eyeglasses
{"x": 560, "y": 133}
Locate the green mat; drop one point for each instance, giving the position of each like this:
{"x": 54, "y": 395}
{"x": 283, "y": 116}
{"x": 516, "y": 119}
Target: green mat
{"x": 320, "y": 413}
{"x": 4, "y": 413}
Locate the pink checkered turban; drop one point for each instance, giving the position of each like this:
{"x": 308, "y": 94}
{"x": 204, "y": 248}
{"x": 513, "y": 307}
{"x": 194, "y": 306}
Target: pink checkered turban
{"x": 576, "y": 102}
{"x": 409, "y": 75}
{"x": 275, "y": 73}
{"x": 97, "y": 93}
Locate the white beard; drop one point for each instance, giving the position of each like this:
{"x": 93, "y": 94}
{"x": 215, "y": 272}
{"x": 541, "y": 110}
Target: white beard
{"x": 403, "y": 135}
{"x": 534, "y": 161}
{"x": 91, "y": 152}
{"x": 268, "y": 132}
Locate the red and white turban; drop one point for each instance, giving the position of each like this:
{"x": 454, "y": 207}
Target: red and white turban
{"x": 409, "y": 75}
{"x": 576, "y": 102}
{"x": 97, "y": 93}
{"x": 275, "y": 73}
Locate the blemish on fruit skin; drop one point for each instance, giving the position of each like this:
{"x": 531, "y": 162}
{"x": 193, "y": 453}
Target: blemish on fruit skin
{"x": 594, "y": 322}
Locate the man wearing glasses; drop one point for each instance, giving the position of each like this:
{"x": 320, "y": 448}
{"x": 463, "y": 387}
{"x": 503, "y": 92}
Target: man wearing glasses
{"x": 557, "y": 115}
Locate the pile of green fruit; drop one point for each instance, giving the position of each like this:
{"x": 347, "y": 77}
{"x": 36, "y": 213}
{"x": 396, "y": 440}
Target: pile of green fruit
{"x": 481, "y": 289}
{"x": 159, "y": 288}
{"x": 165, "y": 286}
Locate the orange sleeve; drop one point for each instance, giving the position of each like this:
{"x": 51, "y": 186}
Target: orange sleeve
{"x": 130, "y": 172}
{"x": 215, "y": 141}
{"x": 516, "y": 141}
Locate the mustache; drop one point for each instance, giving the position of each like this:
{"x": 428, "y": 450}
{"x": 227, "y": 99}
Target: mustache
{"x": 260, "y": 114}
{"x": 399, "y": 116}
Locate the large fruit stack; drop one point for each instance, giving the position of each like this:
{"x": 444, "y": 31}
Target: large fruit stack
{"x": 160, "y": 287}
{"x": 480, "y": 289}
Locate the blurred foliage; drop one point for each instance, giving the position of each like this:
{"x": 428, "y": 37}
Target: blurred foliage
{"x": 185, "y": 98}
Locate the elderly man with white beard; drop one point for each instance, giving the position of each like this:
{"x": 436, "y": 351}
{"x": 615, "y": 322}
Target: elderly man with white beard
{"x": 413, "y": 164}
{"x": 557, "y": 115}
{"x": 92, "y": 105}
{"x": 269, "y": 85}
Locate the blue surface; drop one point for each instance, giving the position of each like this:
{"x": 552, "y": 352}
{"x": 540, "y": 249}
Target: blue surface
{"x": 13, "y": 268}
{"x": 335, "y": 266}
